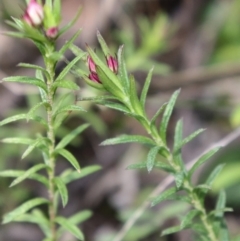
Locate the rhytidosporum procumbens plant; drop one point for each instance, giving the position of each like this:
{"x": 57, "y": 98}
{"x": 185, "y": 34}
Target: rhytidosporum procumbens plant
{"x": 40, "y": 23}
{"x": 112, "y": 76}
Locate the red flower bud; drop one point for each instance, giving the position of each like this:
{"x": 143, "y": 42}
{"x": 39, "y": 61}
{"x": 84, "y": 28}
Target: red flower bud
{"x": 112, "y": 64}
{"x": 91, "y": 64}
{"x": 52, "y": 32}
{"x": 94, "y": 77}
{"x": 34, "y": 13}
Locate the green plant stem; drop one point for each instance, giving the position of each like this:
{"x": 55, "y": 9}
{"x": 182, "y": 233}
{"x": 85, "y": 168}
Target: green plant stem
{"x": 196, "y": 202}
{"x": 51, "y": 137}
{"x": 198, "y": 205}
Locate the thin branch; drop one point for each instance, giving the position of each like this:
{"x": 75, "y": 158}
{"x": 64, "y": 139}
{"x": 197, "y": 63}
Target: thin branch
{"x": 167, "y": 181}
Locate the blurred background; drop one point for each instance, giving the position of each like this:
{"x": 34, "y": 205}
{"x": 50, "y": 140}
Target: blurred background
{"x": 193, "y": 45}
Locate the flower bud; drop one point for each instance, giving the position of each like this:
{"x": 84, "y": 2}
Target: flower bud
{"x": 91, "y": 64}
{"x": 94, "y": 77}
{"x": 112, "y": 64}
{"x": 34, "y": 13}
{"x": 52, "y": 32}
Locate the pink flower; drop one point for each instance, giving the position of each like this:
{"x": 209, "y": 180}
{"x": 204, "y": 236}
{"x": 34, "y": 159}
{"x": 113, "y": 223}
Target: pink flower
{"x": 34, "y": 13}
{"x": 52, "y": 32}
{"x": 91, "y": 64}
{"x": 94, "y": 77}
{"x": 112, "y": 64}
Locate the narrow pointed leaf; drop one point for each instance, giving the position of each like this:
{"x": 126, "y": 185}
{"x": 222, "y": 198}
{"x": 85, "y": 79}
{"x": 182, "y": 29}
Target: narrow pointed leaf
{"x": 69, "y": 156}
{"x": 187, "y": 219}
{"x": 188, "y": 139}
{"x": 151, "y": 157}
{"x": 33, "y": 66}
{"x": 164, "y": 195}
{"x": 70, "y": 227}
{"x": 23, "y": 209}
{"x": 17, "y": 140}
{"x": 134, "y": 96}
{"x": 66, "y": 84}
{"x": 27, "y": 80}
{"x": 13, "y": 118}
{"x": 75, "y": 49}
{"x": 43, "y": 94}
{"x": 160, "y": 110}
{"x": 111, "y": 84}
{"x": 66, "y": 70}
{"x": 30, "y": 148}
{"x": 128, "y": 139}
{"x": 17, "y": 173}
{"x": 68, "y": 108}
{"x": 70, "y": 24}
{"x": 62, "y": 190}
{"x": 214, "y": 174}
{"x": 177, "y": 153}
{"x": 145, "y": 88}
{"x": 167, "y": 115}
{"x": 171, "y": 230}
{"x": 28, "y": 173}
{"x": 202, "y": 160}
{"x": 103, "y": 44}
{"x": 179, "y": 179}
{"x": 80, "y": 217}
{"x": 75, "y": 175}
{"x": 122, "y": 71}
{"x": 69, "y": 137}
{"x": 34, "y": 108}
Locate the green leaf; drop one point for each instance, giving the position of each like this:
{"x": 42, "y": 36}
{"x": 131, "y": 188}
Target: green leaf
{"x": 12, "y": 119}
{"x": 167, "y": 115}
{"x": 28, "y": 173}
{"x": 69, "y": 156}
{"x": 159, "y": 165}
{"x": 171, "y": 230}
{"x": 151, "y": 157}
{"x": 36, "y": 217}
{"x": 75, "y": 49}
{"x": 187, "y": 139}
{"x": 9, "y": 217}
{"x": 160, "y": 110}
{"x": 177, "y": 152}
{"x": 74, "y": 175}
{"x": 128, "y": 139}
{"x": 221, "y": 202}
{"x": 33, "y": 66}
{"x": 34, "y": 108}
{"x": 202, "y": 160}
{"x": 66, "y": 84}
{"x": 68, "y": 108}
{"x": 57, "y": 10}
{"x": 62, "y": 190}
{"x": 164, "y": 195}
{"x": 134, "y": 97}
{"x": 179, "y": 178}
{"x": 30, "y": 148}
{"x": 43, "y": 94}
{"x": 214, "y": 174}
{"x": 103, "y": 44}
{"x": 80, "y": 217}
{"x": 17, "y": 140}
{"x": 70, "y": 227}
{"x": 17, "y": 173}
{"x": 110, "y": 82}
{"x": 187, "y": 219}
{"x": 145, "y": 90}
{"x": 70, "y": 24}
{"x": 122, "y": 71}
{"x": 115, "y": 106}
{"x": 66, "y": 70}
{"x": 69, "y": 137}
{"x": 27, "y": 80}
